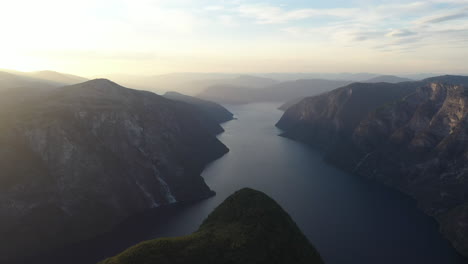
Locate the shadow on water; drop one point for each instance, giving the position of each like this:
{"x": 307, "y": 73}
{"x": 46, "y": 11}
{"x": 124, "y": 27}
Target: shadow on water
{"x": 349, "y": 219}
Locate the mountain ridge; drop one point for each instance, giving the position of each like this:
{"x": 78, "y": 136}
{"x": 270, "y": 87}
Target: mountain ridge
{"x": 248, "y": 227}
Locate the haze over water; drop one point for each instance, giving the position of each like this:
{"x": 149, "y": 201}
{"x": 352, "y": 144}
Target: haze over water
{"x": 348, "y": 219}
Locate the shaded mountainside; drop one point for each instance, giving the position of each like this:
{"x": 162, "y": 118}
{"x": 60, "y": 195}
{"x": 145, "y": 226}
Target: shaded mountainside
{"x": 78, "y": 160}
{"x": 248, "y": 227}
{"x": 417, "y": 144}
{"x": 280, "y": 92}
{"x": 327, "y": 117}
{"x": 214, "y": 110}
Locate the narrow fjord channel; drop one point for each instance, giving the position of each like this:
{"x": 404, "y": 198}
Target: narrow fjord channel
{"x": 348, "y": 219}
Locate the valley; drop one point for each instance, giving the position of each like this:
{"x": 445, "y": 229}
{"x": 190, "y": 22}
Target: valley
{"x": 342, "y": 215}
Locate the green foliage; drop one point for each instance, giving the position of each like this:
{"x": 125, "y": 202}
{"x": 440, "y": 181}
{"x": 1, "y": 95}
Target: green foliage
{"x": 248, "y": 227}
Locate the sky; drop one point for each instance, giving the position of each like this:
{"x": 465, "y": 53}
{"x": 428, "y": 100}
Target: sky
{"x": 91, "y": 37}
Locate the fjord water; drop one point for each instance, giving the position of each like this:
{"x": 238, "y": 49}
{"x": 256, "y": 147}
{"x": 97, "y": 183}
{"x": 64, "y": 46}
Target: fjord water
{"x": 348, "y": 219}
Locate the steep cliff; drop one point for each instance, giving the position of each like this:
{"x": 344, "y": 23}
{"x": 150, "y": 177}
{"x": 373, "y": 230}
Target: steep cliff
{"x": 80, "y": 159}
{"x": 325, "y": 119}
{"x": 419, "y": 145}
{"x": 248, "y": 227}
{"x": 416, "y": 143}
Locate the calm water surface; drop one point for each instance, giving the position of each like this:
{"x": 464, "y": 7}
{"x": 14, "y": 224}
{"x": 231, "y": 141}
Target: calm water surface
{"x": 348, "y": 219}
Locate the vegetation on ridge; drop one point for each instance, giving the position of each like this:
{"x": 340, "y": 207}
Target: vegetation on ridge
{"x": 248, "y": 227}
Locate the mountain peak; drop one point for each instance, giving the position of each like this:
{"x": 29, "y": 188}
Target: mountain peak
{"x": 99, "y": 89}
{"x": 97, "y": 84}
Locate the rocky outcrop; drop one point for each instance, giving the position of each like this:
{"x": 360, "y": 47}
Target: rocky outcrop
{"x": 417, "y": 144}
{"x": 80, "y": 159}
{"x": 215, "y": 111}
{"x": 248, "y": 227}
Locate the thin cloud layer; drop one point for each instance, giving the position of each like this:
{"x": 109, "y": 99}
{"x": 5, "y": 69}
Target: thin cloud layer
{"x": 234, "y": 35}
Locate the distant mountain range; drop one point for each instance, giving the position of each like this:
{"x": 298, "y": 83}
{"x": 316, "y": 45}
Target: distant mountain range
{"x": 388, "y": 79}
{"x": 19, "y": 86}
{"x": 195, "y": 83}
{"x": 50, "y": 78}
{"x": 189, "y": 83}
{"x": 278, "y": 92}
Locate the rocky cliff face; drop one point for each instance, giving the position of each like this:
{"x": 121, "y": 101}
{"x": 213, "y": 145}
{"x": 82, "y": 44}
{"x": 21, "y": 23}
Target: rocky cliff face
{"x": 417, "y": 144}
{"x": 248, "y": 227}
{"x": 80, "y": 159}
{"x": 325, "y": 119}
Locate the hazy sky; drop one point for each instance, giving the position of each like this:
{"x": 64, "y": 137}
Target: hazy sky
{"x": 90, "y": 37}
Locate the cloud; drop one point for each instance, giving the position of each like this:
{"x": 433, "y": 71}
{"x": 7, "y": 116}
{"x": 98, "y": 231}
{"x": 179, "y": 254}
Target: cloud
{"x": 228, "y": 21}
{"x": 214, "y": 8}
{"x": 269, "y": 14}
{"x": 448, "y": 17}
{"x": 106, "y": 29}
{"x": 382, "y": 27}
{"x": 398, "y": 33}
{"x": 367, "y": 35}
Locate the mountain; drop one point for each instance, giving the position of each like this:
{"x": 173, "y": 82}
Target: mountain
{"x": 78, "y": 160}
{"x": 416, "y": 143}
{"x": 280, "y": 92}
{"x": 57, "y": 77}
{"x": 250, "y": 81}
{"x": 290, "y": 103}
{"x": 214, "y": 110}
{"x": 16, "y": 89}
{"x": 290, "y": 76}
{"x": 248, "y": 227}
{"x": 48, "y": 76}
{"x": 16, "y": 86}
{"x": 10, "y": 81}
{"x": 324, "y": 118}
{"x": 388, "y": 79}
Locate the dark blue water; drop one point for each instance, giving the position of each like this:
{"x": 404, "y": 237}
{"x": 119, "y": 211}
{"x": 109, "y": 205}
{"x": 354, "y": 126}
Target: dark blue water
{"x": 348, "y": 219}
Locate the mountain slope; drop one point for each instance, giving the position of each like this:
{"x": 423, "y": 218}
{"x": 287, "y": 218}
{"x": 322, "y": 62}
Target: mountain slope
{"x": 425, "y": 154}
{"x": 214, "y": 110}
{"x": 322, "y": 120}
{"x": 80, "y": 159}
{"x": 248, "y": 227}
{"x": 416, "y": 143}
